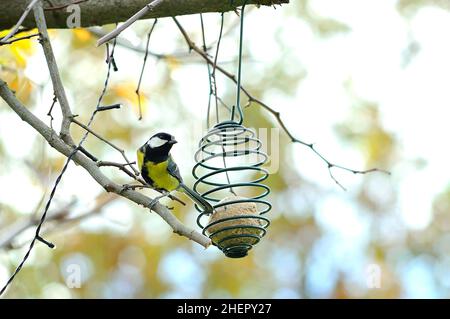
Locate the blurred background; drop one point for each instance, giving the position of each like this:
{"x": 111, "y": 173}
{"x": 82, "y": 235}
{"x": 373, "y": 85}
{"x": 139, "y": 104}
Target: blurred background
{"x": 366, "y": 81}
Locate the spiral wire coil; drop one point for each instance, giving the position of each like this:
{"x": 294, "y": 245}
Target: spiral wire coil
{"x": 229, "y": 162}
{"x": 226, "y": 150}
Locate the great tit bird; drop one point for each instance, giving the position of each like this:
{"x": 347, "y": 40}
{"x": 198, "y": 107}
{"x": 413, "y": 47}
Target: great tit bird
{"x": 160, "y": 171}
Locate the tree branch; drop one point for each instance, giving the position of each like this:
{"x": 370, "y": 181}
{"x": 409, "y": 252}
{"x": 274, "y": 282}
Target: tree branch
{"x": 54, "y": 74}
{"x": 148, "y": 8}
{"x": 92, "y": 168}
{"x": 25, "y": 37}
{"x": 124, "y": 43}
{"x": 121, "y": 151}
{"x": 97, "y": 32}
{"x": 138, "y": 92}
{"x": 16, "y": 27}
{"x": 143, "y": 184}
{"x": 101, "y": 12}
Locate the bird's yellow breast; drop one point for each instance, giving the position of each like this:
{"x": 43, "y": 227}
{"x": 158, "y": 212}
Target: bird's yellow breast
{"x": 160, "y": 176}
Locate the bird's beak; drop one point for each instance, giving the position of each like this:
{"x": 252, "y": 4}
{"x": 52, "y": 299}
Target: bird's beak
{"x": 173, "y": 141}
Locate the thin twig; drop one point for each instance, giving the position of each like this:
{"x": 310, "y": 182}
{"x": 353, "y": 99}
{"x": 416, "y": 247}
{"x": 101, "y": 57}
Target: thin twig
{"x": 26, "y": 37}
{"x": 49, "y": 113}
{"x": 208, "y": 68}
{"x": 121, "y": 151}
{"x": 109, "y": 107}
{"x": 122, "y": 42}
{"x": 213, "y": 74}
{"x": 192, "y": 46}
{"x": 139, "y": 49}
{"x": 19, "y": 23}
{"x": 122, "y": 167}
{"x": 329, "y": 164}
{"x": 54, "y": 74}
{"x": 129, "y": 22}
{"x": 143, "y": 67}
{"x": 87, "y": 153}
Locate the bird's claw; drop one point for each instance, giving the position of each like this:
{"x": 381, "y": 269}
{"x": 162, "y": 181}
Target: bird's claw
{"x": 153, "y": 203}
{"x": 124, "y": 188}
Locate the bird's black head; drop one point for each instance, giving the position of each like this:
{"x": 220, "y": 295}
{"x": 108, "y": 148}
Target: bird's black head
{"x": 158, "y": 147}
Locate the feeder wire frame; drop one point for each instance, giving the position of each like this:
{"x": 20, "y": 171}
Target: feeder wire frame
{"x": 225, "y": 135}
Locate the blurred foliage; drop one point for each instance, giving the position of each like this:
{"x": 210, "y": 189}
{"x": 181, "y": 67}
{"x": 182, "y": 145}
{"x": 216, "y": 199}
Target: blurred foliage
{"x": 364, "y": 130}
{"x": 322, "y": 25}
{"x": 13, "y": 62}
{"x": 410, "y": 7}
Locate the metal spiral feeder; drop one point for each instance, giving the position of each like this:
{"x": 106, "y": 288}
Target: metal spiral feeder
{"x": 228, "y": 155}
{"x": 229, "y": 173}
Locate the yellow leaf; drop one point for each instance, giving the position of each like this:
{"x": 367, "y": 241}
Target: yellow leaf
{"x": 82, "y": 34}
{"x": 22, "y": 86}
{"x": 19, "y": 56}
{"x": 127, "y": 91}
{"x": 82, "y": 38}
{"x": 17, "y": 53}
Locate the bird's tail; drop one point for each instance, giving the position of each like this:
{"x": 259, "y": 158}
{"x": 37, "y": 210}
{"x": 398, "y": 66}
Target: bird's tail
{"x": 198, "y": 199}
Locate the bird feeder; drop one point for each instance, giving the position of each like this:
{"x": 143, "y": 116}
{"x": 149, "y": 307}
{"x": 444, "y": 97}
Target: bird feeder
{"x": 228, "y": 172}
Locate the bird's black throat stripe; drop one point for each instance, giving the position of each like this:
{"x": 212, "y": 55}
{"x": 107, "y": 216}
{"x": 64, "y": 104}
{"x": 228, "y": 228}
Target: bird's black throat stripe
{"x": 157, "y": 155}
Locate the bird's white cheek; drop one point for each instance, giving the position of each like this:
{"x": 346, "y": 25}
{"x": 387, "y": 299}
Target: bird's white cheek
{"x": 156, "y": 142}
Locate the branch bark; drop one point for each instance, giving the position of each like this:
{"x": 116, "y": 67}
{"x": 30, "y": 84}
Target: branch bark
{"x": 100, "y": 12}
{"x": 19, "y": 23}
{"x": 58, "y": 86}
{"x": 148, "y": 8}
{"x": 91, "y": 167}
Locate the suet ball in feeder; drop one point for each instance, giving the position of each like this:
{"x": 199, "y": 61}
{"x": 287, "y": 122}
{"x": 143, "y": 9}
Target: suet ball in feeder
{"x": 235, "y": 227}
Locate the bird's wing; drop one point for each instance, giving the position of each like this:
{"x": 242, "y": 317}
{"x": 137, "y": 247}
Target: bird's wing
{"x": 173, "y": 170}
